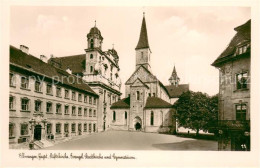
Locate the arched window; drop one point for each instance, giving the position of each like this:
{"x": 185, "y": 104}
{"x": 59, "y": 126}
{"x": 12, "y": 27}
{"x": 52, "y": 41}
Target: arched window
{"x": 152, "y": 118}
{"x": 125, "y": 115}
{"x": 91, "y": 43}
{"x": 91, "y": 56}
{"x": 137, "y": 95}
{"x": 91, "y": 68}
{"x": 114, "y": 116}
{"x": 142, "y": 53}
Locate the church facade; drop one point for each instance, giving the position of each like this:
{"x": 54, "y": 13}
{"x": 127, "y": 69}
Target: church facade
{"x": 148, "y": 103}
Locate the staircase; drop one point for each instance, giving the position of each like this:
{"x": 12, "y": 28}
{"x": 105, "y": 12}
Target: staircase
{"x": 42, "y": 144}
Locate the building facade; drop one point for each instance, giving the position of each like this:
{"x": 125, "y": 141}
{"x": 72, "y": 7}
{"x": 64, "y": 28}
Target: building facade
{"x": 234, "y": 91}
{"x": 147, "y": 106}
{"x": 47, "y": 103}
{"x": 100, "y": 70}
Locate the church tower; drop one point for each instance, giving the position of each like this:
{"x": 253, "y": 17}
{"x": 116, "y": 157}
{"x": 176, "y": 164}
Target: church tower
{"x": 174, "y": 79}
{"x": 142, "y": 49}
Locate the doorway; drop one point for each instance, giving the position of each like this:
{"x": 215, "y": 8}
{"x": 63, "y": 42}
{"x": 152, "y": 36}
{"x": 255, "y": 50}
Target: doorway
{"x": 37, "y": 132}
{"x": 137, "y": 126}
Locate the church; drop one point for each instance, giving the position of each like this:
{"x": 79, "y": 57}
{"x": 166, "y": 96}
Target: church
{"x": 148, "y": 105}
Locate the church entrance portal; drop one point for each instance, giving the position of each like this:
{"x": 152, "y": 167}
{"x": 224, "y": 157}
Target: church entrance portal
{"x": 137, "y": 123}
{"x": 37, "y": 132}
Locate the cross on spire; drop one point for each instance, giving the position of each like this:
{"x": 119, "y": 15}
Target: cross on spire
{"x": 95, "y": 23}
{"x": 113, "y": 45}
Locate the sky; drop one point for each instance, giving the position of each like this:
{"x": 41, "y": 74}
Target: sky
{"x": 190, "y": 38}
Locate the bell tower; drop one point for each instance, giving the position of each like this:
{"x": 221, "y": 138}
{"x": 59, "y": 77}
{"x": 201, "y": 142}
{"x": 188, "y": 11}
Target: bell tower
{"x": 174, "y": 79}
{"x": 94, "y": 38}
{"x": 143, "y": 52}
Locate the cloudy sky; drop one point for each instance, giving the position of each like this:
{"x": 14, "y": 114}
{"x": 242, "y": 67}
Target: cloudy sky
{"x": 190, "y": 38}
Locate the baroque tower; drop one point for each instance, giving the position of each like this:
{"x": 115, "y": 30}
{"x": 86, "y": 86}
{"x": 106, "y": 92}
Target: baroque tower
{"x": 142, "y": 49}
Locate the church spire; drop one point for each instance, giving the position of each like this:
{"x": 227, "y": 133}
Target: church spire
{"x": 174, "y": 79}
{"x": 143, "y": 38}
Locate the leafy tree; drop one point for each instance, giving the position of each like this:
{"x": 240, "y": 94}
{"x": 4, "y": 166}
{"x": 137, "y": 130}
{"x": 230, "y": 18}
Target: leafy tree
{"x": 196, "y": 111}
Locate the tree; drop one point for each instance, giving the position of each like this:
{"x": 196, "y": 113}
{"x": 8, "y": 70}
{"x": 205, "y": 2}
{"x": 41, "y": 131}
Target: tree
{"x": 196, "y": 110}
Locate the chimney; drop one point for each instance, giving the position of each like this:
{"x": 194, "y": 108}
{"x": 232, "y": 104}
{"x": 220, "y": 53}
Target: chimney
{"x": 24, "y": 49}
{"x": 43, "y": 58}
{"x": 69, "y": 70}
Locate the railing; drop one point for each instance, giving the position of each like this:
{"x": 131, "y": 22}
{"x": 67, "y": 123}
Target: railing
{"x": 234, "y": 124}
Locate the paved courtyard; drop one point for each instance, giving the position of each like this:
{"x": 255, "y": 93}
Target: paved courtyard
{"x": 123, "y": 140}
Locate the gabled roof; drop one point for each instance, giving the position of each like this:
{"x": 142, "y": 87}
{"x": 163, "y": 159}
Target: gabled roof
{"x": 75, "y": 62}
{"x": 243, "y": 35}
{"x": 143, "y": 84}
{"x": 121, "y": 104}
{"x": 156, "y": 102}
{"x": 35, "y": 65}
{"x": 143, "y": 38}
{"x": 176, "y": 91}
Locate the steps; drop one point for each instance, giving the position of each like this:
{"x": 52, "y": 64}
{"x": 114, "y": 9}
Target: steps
{"x": 42, "y": 144}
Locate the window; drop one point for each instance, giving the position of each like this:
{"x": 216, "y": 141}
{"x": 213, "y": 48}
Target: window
{"x": 38, "y": 86}
{"x": 94, "y": 127}
{"x": 58, "y": 108}
{"x": 11, "y": 130}
{"x": 91, "y": 68}
{"x": 25, "y": 104}
{"x": 153, "y": 94}
{"x": 125, "y": 115}
{"x": 85, "y": 112}
{"x": 114, "y": 116}
{"x": 142, "y": 53}
{"x": 91, "y": 56}
{"x": 90, "y": 112}
{"x": 137, "y": 95}
{"x": 104, "y": 96}
{"x": 79, "y": 111}
{"x": 152, "y": 118}
{"x": 73, "y": 127}
{"x": 49, "y": 89}
{"x": 73, "y": 110}
{"x": 11, "y": 102}
{"x": 58, "y": 91}
{"x": 24, "y": 82}
{"x": 90, "y": 100}
{"x": 49, "y": 107}
{"x": 66, "y": 111}
{"x": 94, "y": 113}
{"x": 66, "y": 128}
{"x": 11, "y": 79}
{"x": 80, "y": 98}
{"x": 241, "y": 80}
{"x": 149, "y": 94}
{"x": 91, "y": 43}
{"x": 73, "y": 96}
{"x": 94, "y": 101}
{"x": 67, "y": 94}
{"x": 89, "y": 128}
{"x": 110, "y": 99}
{"x": 58, "y": 128}
{"x": 85, "y": 99}
{"x": 242, "y": 49}
{"x": 79, "y": 127}
{"x": 24, "y": 129}
{"x": 85, "y": 127}
{"x": 38, "y": 106}
{"x": 111, "y": 76}
{"x": 241, "y": 112}
{"x": 49, "y": 128}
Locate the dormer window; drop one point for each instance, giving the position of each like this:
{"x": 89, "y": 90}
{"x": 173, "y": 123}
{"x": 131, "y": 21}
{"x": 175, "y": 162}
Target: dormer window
{"x": 242, "y": 49}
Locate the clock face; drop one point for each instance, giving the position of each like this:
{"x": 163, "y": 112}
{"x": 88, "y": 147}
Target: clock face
{"x": 228, "y": 68}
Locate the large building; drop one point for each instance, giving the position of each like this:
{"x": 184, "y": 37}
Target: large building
{"x": 148, "y": 103}
{"x": 46, "y": 102}
{"x": 234, "y": 91}
{"x": 99, "y": 69}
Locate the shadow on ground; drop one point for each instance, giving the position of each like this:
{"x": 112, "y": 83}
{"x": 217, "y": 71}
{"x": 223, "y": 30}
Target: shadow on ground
{"x": 188, "y": 145}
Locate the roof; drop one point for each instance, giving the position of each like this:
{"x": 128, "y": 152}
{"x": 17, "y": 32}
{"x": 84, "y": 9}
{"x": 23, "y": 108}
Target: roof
{"x": 156, "y": 102}
{"x": 121, "y": 104}
{"x": 35, "y": 65}
{"x": 143, "y": 39}
{"x": 243, "y": 35}
{"x": 95, "y": 30}
{"x": 75, "y": 62}
{"x": 176, "y": 91}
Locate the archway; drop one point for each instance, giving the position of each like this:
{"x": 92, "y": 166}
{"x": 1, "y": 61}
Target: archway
{"x": 137, "y": 123}
{"x": 37, "y": 132}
